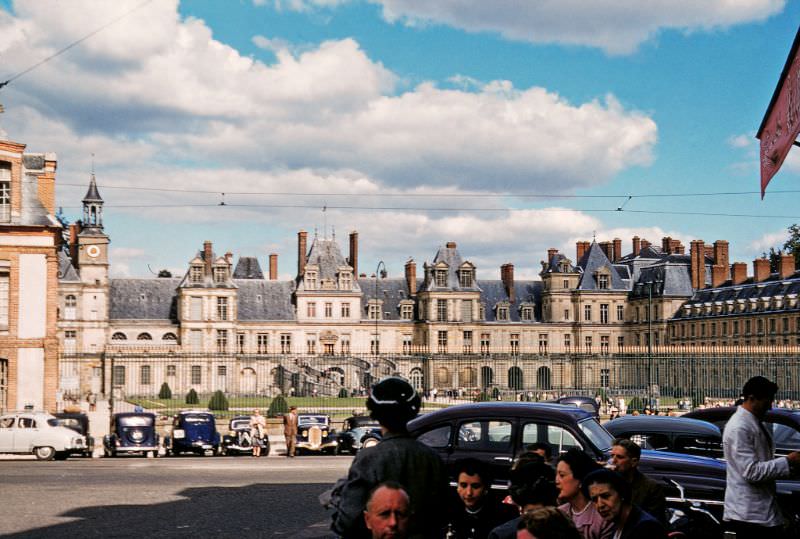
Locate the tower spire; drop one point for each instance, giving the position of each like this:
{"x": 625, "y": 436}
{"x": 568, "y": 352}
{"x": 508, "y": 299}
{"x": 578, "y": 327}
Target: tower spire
{"x": 93, "y": 206}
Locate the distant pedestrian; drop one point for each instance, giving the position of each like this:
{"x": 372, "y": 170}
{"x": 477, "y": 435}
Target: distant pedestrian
{"x": 290, "y": 430}
{"x": 751, "y": 509}
{"x": 91, "y": 398}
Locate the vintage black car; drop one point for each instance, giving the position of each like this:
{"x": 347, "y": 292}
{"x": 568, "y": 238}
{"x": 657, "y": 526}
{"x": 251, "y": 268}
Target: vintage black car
{"x": 496, "y": 432}
{"x": 132, "y": 433}
{"x": 664, "y": 433}
{"x": 357, "y": 432}
{"x": 584, "y": 403}
{"x": 238, "y": 441}
{"x": 79, "y": 422}
{"x": 314, "y": 433}
{"x": 783, "y": 422}
{"x": 193, "y": 432}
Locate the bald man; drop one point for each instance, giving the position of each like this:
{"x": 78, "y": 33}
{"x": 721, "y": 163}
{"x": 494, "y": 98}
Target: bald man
{"x": 387, "y": 513}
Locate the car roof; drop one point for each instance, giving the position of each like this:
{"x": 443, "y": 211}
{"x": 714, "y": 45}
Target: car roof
{"x": 186, "y": 412}
{"x": 661, "y": 424}
{"x": 719, "y": 413}
{"x": 502, "y": 410}
{"x": 134, "y": 414}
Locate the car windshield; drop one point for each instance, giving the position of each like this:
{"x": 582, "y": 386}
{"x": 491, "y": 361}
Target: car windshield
{"x": 62, "y": 422}
{"x": 240, "y": 424}
{"x": 136, "y": 421}
{"x": 197, "y": 418}
{"x": 599, "y": 436}
{"x": 313, "y": 420}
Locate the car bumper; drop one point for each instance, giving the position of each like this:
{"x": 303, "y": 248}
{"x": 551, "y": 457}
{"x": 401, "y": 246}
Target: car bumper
{"x": 316, "y": 447}
{"x": 137, "y": 449}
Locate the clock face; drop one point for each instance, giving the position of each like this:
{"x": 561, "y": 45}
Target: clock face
{"x": 93, "y": 251}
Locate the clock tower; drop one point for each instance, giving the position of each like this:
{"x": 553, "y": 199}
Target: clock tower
{"x": 92, "y": 240}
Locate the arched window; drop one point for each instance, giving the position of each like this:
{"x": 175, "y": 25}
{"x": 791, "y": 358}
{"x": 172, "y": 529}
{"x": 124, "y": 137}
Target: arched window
{"x": 417, "y": 378}
{"x": 119, "y": 336}
{"x": 544, "y": 378}
{"x": 248, "y": 381}
{"x": 487, "y": 377}
{"x": 169, "y": 337}
{"x": 144, "y": 337}
{"x": 468, "y": 377}
{"x": 515, "y": 380}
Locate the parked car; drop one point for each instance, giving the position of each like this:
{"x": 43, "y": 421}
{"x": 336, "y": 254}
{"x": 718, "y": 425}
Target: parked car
{"x": 193, "y": 432}
{"x": 132, "y": 432}
{"x": 238, "y": 440}
{"x": 664, "y": 433}
{"x": 314, "y": 433}
{"x": 584, "y": 403}
{"x": 357, "y": 432}
{"x": 40, "y": 434}
{"x": 79, "y": 422}
{"x": 784, "y": 423}
{"x": 496, "y": 432}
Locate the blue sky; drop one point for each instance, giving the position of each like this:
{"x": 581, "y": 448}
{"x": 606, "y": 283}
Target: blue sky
{"x": 460, "y": 105}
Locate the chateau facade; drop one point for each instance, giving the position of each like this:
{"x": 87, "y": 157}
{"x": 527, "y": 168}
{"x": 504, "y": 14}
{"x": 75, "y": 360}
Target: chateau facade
{"x": 226, "y": 325}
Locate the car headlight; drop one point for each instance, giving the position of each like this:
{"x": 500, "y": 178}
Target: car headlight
{"x": 178, "y": 434}
{"x": 324, "y": 432}
{"x": 304, "y": 433}
{"x": 78, "y": 442}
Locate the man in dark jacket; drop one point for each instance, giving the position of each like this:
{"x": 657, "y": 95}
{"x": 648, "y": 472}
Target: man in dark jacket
{"x": 398, "y": 457}
{"x": 645, "y": 493}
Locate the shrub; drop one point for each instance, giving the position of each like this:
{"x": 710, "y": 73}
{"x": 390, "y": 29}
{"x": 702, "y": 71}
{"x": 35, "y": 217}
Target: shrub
{"x": 343, "y": 394}
{"x": 165, "y": 392}
{"x": 495, "y": 393}
{"x": 636, "y": 403}
{"x": 192, "y": 398}
{"x": 278, "y": 407}
{"x": 218, "y": 401}
{"x": 482, "y": 397}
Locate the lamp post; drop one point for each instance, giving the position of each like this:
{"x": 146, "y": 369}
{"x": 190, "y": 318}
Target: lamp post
{"x": 650, "y": 382}
{"x": 380, "y": 272}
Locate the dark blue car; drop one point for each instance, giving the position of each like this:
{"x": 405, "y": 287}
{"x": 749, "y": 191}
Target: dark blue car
{"x": 132, "y": 433}
{"x": 194, "y": 432}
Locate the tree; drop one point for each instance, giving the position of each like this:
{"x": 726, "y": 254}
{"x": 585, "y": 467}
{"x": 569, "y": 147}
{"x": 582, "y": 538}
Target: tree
{"x": 774, "y": 258}
{"x": 165, "y": 273}
{"x": 218, "y": 401}
{"x": 343, "y": 393}
{"x": 278, "y": 406}
{"x": 192, "y": 398}
{"x": 792, "y": 244}
{"x": 165, "y": 392}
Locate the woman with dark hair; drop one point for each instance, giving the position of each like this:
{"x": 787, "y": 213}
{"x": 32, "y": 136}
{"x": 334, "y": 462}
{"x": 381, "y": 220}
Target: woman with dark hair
{"x": 573, "y": 467}
{"x": 610, "y": 493}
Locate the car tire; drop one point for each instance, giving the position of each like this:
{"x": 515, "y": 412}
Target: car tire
{"x": 44, "y": 453}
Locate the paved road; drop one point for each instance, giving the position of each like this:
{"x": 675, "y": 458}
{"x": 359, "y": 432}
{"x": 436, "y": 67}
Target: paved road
{"x": 167, "y": 497}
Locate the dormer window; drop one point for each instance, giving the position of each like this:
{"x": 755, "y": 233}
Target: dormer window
{"x": 440, "y": 276}
{"x": 5, "y": 192}
{"x": 502, "y": 312}
{"x": 465, "y": 278}
{"x": 196, "y": 274}
{"x": 374, "y": 309}
{"x": 220, "y": 274}
{"x": 345, "y": 280}
{"x": 311, "y": 280}
{"x": 526, "y": 313}
{"x": 406, "y": 310}
{"x": 602, "y": 281}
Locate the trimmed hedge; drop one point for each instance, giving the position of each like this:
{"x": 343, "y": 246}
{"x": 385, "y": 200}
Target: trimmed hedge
{"x": 218, "y": 401}
{"x": 165, "y": 392}
{"x": 278, "y": 407}
{"x": 192, "y": 398}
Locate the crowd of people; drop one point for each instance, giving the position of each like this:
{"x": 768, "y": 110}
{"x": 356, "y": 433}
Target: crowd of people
{"x": 399, "y": 488}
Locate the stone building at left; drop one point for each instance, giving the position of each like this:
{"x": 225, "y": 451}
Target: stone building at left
{"x": 30, "y": 239}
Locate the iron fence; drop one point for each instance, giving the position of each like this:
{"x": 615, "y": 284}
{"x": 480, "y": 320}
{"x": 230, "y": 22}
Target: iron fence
{"x": 164, "y": 380}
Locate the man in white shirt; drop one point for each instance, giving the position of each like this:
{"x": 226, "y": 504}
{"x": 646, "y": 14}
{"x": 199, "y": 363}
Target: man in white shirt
{"x": 751, "y": 507}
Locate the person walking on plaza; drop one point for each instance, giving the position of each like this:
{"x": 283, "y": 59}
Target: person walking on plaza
{"x": 751, "y": 508}
{"x": 388, "y": 512}
{"x": 258, "y": 429}
{"x": 290, "y": 430}
{"x": 398, "y": 457}
{"x": 645, "y": 493}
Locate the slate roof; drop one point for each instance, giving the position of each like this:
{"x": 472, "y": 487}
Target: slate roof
{"x": 265, "y": 300}
{"x": 669, "y": 278}
{"x": 144, "y": 299}
{"x": 494, "y": 292}
{"x": 33, "y": 212}
{"x": 391, "y": 291}
{"x": 451, "y": 257}
{"x": 66, "y": 271}
{"x": 325, "y": 254}
{"x": 552, "y": 265}
{"x": 591, "y": 261}
{"x": 248, "y": 268}
{"x": 92, "y": 194}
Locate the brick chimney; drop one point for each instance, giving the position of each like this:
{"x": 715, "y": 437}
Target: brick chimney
{"x": 738, "y": 273}
{"x": 580, "y": 249}
{"x": 451, "y": 245}
{"x": 273, "y": 267}
{"x": 721, "y": 252}
{"x": 551, "y": 252}
{"x": 617, "y": 250}
{"x": 678, "y": 248}
{"x": 302, "y": 251}
{"x": 353, "y": 259}
{"x": 507, "y": 276}
{"x": 646, "y": 244}
{"x": 74, "y": 230}
{"x": 666, "y": 245}
{"x": 709, "y": 251}
{"x": 608, "y": 249}
{"x": 697, "y": 266}
{"x": 637, "y": 245}
{"x": 411, "y": 277}
{"x": 786, "y": 266}
{"x": 760, "y": 270}
{"x": 207, "y": 254}
{"x": 719, "y": 274}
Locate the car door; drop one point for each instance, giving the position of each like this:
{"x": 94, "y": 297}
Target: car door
{"x": 560, "y": 438}
{"x": 25, "y": 433}
{"x": 490, "y": 440}
{"x": 7, "y": 428}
